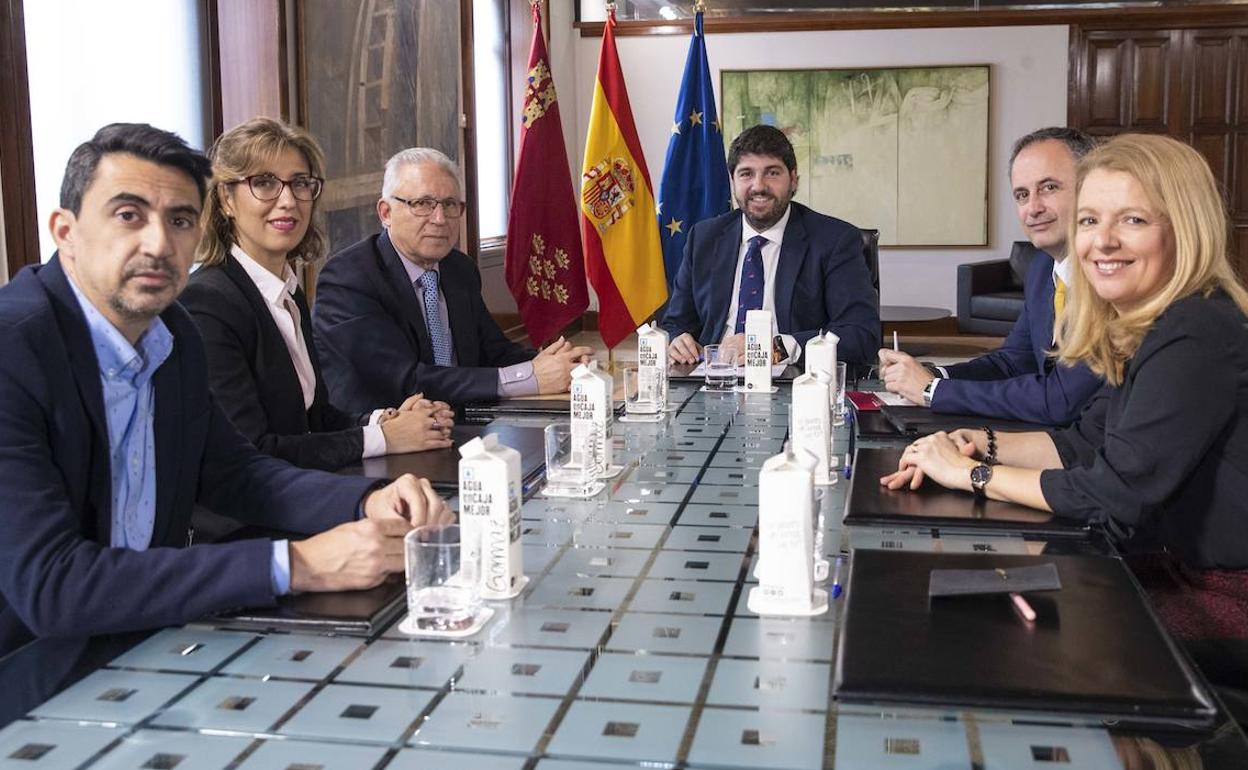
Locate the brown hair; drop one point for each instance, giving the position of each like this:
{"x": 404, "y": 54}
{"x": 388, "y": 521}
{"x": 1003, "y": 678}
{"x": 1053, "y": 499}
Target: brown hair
{"x": 1180, "y": 187}
{"x": 239, "y": 152}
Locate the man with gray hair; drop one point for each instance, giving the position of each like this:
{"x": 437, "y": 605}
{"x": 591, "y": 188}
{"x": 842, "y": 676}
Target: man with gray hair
{"x": 1019, "y": 380}
{"x": 401, "y": 311}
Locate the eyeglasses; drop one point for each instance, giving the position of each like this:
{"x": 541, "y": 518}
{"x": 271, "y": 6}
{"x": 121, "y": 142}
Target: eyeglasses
{"x": 267, "y": 187}
{"x": 424, "y": 207}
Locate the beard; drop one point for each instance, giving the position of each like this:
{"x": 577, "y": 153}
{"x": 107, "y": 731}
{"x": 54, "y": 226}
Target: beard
{"x": 770, "y": 216}
{"x": 138, "y": 302}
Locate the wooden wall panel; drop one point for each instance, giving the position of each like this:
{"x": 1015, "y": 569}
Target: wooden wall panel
{"x": 251, "y": 73}
{"x": 1108, "y": 64}
{"x": 1213, "y": 80}
{"x": 17, "y": 159}
{"x": 1150, "y": 84}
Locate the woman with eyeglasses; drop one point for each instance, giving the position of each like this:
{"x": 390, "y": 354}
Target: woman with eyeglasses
{"x": 260, "y": 220}
{"x": 1160, "y": 455}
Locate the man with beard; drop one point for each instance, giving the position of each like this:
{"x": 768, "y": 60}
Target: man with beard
{"x": 109, "y": 434}
{"x": 771, "y": 254}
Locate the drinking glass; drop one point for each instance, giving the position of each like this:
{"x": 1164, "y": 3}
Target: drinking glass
{"x": 568, "y": 472}
{"x": 443, "y": 580}
{"x": 721, "y": 368}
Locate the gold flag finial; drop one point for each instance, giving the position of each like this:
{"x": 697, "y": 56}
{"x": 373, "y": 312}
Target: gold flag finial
{"x": 699, "y": 6}
{"x": 610, "y": 6}
{"x": 535, "y": 4}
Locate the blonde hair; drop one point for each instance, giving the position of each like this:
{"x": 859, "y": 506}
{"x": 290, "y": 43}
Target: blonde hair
{"x": 1181, "y": 188}
{"x": 239, "y": 152}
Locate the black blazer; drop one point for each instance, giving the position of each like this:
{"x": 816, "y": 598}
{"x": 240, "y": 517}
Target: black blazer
{"x": 58, "y": 577}
{"x": 254, "y": 378}
{"x": 374, "y": 346}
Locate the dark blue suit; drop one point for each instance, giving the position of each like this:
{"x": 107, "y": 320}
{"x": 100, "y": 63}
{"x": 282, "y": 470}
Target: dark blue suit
{"x": 822, "y": 283}
{"x": 58, "y": 575}
{"x": 1019, "y": 381}
{"x": 374, "y": 346}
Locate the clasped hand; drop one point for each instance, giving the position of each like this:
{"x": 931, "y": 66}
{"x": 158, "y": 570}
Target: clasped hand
{"x": 946, "y": 458}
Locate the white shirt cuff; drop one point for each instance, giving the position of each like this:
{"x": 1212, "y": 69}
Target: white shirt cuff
{"x": 279, "y": 568}
{"x": 375, "y": 417}
{"x": 943, "y": 372}
{"x": 374, "y": 440}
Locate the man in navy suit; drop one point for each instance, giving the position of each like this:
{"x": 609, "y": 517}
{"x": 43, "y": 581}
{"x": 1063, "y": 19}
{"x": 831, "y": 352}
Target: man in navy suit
{"x": 109, "y": 435}
{"x": 771, "y": 254}
{"x": 401, "y": 312}
{"x": 1019, "y": 381}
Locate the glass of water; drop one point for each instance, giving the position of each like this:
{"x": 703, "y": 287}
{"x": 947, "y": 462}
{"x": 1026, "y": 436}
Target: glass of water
{"x": 443, "y": 574}
{"x": 643, "y": 397}
{"x": 570, "y": 470}
{"x": 838, "y": 401}
{"x": 721, "y": 368}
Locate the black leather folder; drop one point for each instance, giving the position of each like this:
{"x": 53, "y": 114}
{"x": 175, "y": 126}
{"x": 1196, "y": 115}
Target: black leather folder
{"x": 1095, "y": 649}
{"x": 913, "y": 421}
{"x": 441, "y": 466}
{"x": 932, "y": 505}
{"x": 353, "y": 613}
{"x": 483, "y": 412}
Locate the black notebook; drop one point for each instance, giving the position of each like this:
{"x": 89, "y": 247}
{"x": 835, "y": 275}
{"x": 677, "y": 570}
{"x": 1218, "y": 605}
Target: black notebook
{"x": 441, "y": 466}
{"x": 1094, "y": 649}
{"x": 932, "y": 505}
{"x": 355, "y": 613}
{"x": 921, "y": 421}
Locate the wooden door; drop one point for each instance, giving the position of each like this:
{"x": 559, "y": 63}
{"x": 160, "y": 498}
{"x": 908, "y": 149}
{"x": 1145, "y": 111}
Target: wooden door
{"x": 1191, "y": 84}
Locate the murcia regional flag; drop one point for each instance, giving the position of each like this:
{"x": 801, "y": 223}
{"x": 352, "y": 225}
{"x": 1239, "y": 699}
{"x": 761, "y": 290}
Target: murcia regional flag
{"x": 545, "y": 269}
{"x": 623, "y": 257}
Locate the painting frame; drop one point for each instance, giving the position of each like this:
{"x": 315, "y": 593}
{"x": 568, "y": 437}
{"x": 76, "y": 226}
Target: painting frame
{"x": 902, "y": 149}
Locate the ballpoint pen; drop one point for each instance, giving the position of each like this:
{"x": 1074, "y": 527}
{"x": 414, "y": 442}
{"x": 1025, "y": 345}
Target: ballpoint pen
{"x": 837, "y": 587}
{"x": 896, "y": 347}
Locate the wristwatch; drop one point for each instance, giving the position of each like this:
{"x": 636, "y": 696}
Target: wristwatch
{"x": 930, "y": 390}
{"x": 980, "y": 476}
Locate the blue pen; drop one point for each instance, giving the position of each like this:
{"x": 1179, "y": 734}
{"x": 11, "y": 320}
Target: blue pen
{"x": 837, "y": 588}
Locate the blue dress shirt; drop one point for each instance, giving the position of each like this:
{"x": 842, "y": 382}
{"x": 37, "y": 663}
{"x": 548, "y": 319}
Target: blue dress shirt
{"x": 130, "y": 413}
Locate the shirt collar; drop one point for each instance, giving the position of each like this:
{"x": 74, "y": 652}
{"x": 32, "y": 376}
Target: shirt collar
{"x": 273, "y": 289}
{"x": 774, "y": 234}
{"x": 114, "y": 354}
{"x": 1062, "y": 269}
{"x": 414, "y": 271}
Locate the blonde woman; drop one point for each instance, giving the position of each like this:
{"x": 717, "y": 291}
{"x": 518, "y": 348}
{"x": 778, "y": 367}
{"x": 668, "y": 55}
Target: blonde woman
{"x": 1160, "y": 455}
{"x": 259, "y": 220}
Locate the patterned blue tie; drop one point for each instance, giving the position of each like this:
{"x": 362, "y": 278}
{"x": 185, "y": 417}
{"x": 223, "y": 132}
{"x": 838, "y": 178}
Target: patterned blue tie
{"x": 750, "y": 297}
{"x": 438, "y": 333}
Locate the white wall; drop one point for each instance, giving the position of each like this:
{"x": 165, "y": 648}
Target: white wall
{"x": 91, "y": 63}
{"x": 1028, "y": 91}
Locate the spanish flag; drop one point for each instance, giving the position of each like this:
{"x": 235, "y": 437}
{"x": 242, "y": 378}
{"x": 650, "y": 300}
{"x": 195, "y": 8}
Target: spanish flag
{"x": 623, "y": 256}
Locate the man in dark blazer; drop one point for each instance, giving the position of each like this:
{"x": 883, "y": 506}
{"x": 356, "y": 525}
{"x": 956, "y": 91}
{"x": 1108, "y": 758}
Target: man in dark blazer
{"x": 1019, "y": 380}
{"x": 401, "y": 312}
{"x": 109, "y": 435}
{"x": 772, "y": 254}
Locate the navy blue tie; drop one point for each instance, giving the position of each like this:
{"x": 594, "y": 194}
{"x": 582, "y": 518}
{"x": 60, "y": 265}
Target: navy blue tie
{"x": 750, "y": 297}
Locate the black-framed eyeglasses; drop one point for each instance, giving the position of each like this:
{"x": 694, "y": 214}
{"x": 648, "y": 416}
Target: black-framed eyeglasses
{"x": 267, "y": 187}
{"x": 424, "y": 207}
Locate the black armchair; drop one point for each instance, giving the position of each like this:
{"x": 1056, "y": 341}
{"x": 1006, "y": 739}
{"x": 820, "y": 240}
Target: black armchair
{"x": 990, "y": 294}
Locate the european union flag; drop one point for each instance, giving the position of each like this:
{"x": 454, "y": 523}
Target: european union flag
{"x": 695, "y": 175}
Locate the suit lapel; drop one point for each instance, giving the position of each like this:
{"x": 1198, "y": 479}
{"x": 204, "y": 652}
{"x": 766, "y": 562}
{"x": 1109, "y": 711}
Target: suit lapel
{"x": 170, "y": 443}
{"x": 401, "y": 289}
{"x": 459, "y": 317}
{"x": 272, "y": 356}
{"x": 793, "y": 252}
{"x": 722, "y": 274}
{"x": 86, "y": 372}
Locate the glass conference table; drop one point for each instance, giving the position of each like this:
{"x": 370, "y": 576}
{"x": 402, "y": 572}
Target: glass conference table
{"x": 630, "y": 647}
